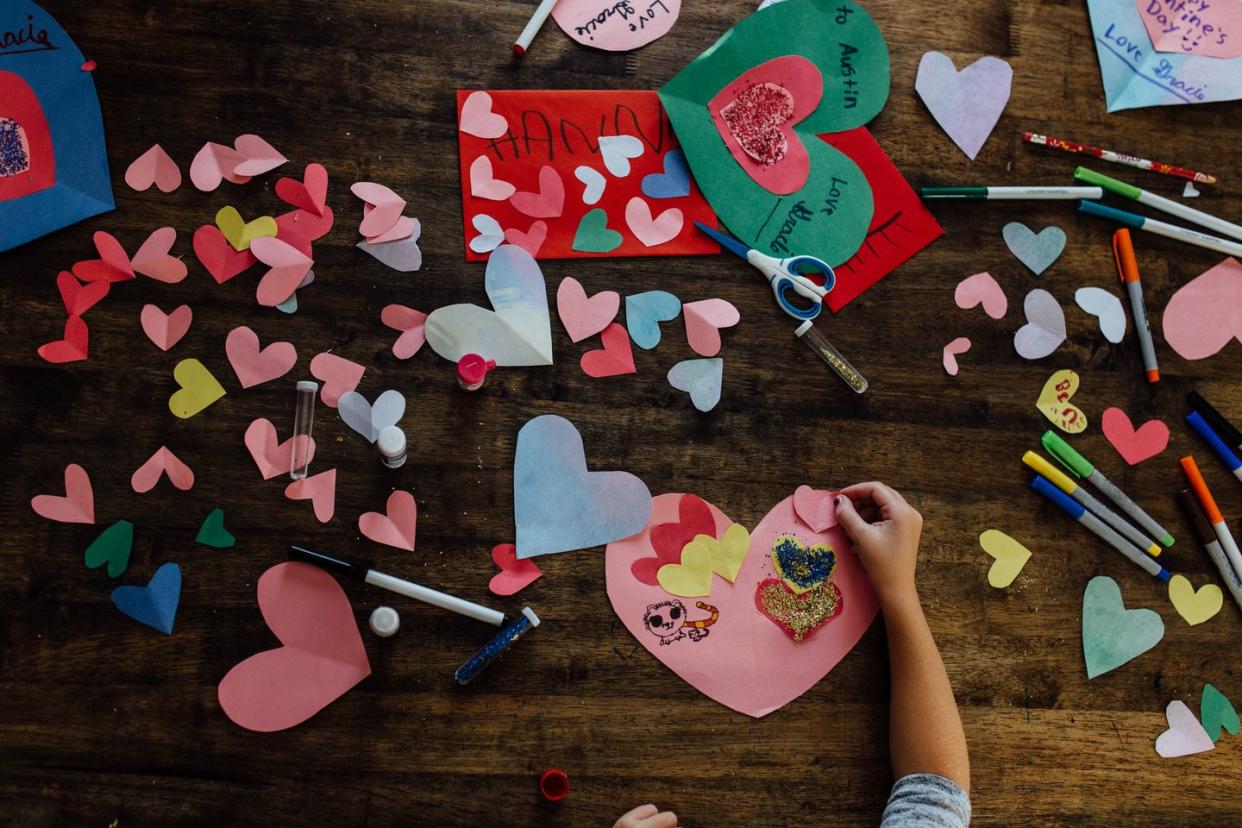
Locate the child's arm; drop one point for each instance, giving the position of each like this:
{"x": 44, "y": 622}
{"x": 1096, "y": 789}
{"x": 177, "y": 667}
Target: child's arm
{"x": 925, "y": 732}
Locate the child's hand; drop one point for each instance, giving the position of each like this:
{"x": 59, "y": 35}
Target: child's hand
{"x": 645, "y": 816}
{"x": 885, "y": 530}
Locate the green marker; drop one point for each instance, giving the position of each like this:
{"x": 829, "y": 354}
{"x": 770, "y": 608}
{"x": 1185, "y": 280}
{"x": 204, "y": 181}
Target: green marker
{"x": 1159, "y": 202}
{"x": 1080, "y": 467}
{"x": 1011, "y": 193}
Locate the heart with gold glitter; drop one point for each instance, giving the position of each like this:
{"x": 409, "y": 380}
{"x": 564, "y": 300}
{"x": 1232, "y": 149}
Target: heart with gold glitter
{"x": 798, "y": 615}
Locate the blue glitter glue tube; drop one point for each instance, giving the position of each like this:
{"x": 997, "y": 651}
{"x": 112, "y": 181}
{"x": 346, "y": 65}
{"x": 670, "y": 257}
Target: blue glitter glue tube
{"x": 495, "y": 648}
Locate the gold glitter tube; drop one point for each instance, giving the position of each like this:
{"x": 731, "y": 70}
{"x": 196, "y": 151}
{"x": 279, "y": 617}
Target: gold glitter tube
{"x": 830, "y": 355}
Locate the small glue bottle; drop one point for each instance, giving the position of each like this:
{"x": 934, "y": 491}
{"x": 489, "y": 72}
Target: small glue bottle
{"x": 472, "y": 371}
{"x": 391, "y": 443}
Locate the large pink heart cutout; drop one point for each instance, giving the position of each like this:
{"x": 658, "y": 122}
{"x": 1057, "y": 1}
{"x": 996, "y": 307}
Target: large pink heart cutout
{"x": 745, "y": 661}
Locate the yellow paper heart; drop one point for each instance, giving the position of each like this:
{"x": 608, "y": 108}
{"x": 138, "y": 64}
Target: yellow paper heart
{"x": 241, "y": 233}
{"x": 1195, "y": 607}
{"x": 727, "y": 553}
{"x": 1010, "y": 557}
{"x": 692, "y": 578}
{"x": 1054, "y": 402}
{"x": 199, "y": 389}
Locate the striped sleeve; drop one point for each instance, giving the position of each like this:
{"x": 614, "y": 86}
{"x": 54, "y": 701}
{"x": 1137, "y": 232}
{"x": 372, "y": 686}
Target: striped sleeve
{"x": 927, "y": 801}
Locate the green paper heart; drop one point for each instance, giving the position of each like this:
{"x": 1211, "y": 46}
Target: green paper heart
{"x": 1112, "y": 634}
{"x": 1216, "y": 711}
{"x": 213, "y": 533}
{"x": 593, "y": 235}
{"x": 112, "y": 547}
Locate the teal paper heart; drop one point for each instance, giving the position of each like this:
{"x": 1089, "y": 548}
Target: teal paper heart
{"x": 1216, "y": 711}
{"x": 593, "y": 235}
{"x": 1112, "y": 634}
{"x": 112, "y": 547}
{"x": 645, "y": 311}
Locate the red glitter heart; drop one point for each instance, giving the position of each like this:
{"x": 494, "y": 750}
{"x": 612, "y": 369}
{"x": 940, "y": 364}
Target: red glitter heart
{"x": 694, "y": 517}
{"x": 755, "y": 117}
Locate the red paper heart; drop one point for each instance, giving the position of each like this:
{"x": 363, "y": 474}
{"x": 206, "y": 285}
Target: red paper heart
{"x": 531, "y": 240}
{"x": 218, "y": 256}
{"x": 549, "y": 202}
{"x": 300, "y": 228}
{"x": 309, "y": 194}
{"x": 111, "y": 266}
{"x": 37, "y": 171}
{"x": 514, "y": 575}
{"x": 79, "y": 297}
{"x": 616, "y": 357}
{"x": 694, "y": 517}
{"x": 1134, "y": 445}
{"x": 72, "y": 347}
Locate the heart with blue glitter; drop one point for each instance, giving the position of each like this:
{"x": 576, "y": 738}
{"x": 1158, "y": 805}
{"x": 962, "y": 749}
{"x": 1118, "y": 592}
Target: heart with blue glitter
{"x": 802, "y": 568}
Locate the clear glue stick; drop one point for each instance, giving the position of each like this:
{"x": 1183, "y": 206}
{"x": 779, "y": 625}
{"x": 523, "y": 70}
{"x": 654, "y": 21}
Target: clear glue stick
{"x": 831, "y": 356}
{"x": 303, "y": 420}
{"x": 472, "y": 371}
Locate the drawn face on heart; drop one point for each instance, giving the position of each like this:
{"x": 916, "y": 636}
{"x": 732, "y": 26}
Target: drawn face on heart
{"x": 27, "y": 161}
{"x": 756, "y": 115}
{"x": 705, "y": 644}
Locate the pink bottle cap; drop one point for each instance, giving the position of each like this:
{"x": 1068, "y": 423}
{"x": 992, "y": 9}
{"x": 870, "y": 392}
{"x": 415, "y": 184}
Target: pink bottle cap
{"x": 472, "y": 369}
{"x": 554, "y": 785}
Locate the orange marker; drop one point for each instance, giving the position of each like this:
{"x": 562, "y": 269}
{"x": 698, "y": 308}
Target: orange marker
{"x": 1214, "y": 516}
{"x": 1128, "y": 272}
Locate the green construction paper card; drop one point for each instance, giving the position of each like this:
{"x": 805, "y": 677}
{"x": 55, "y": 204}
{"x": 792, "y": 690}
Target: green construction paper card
{"x": 213, "y": 533}
{"x": 1216, "y": 711}
{"x": 1112, "y": 634}
{"x": 112, "y": 547}
{"x": 748, "y": 113}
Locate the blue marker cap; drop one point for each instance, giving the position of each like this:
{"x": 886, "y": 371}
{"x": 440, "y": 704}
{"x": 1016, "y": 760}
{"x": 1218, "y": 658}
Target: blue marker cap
{"x": 1092, "y": 208}
{"x": 1068, "y": 505}
{"x": 1218, "y": 445}
{"x": 1163, "y": 575}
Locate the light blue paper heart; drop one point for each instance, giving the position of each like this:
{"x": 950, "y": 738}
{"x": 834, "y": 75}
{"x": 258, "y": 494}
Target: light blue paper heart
{"x": 700, "y": 378}
{"x": 645, "y": 311}
{"x": 1035, "y": 250}
{"x": 154, "y": 604}
{"x": 674, "y": 182}
{"x": 1112, "y": 634}
{"x": 558, "y": 505}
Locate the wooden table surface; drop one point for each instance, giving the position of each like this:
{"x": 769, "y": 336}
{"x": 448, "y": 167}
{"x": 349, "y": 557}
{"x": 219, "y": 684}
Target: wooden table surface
{"x": 106, "y": 720}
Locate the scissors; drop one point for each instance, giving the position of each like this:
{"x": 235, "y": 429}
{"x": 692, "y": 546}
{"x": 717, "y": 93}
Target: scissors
{"x": 784, "y": 275}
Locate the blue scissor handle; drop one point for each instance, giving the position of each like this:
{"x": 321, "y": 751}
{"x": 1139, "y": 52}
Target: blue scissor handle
{"x": 783, "y": 285}
{"x": 804, "y": 265}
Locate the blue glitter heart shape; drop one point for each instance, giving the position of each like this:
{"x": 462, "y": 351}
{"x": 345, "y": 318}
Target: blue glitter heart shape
{"x": 802, "y": 568}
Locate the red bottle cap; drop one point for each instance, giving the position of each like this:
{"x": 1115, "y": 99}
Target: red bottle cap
{"x": 472, "y": 368}
{"x": 554, "y": 785}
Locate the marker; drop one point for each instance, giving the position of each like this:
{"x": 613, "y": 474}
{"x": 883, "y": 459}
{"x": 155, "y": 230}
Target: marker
{"x": 1127, "y": 271}
{"x": 1118, "y": 157}
{"x": 1207, "y": 536}
{"x": 1223, "y": 451}
{"x": 1079, "y": 467}
{"x": 532, "y": 27}
{"x": 1080, "y": 514}
{"x": 1159, "y": 202}
{"x": 1078, "y": 493}
{"x": 1221, "y": 426}
{"x": 1227, "y": 543}
{"x": 1011, "y": 193}
{"x": 402, "y": 587}
{"x": 1160, "y": 228}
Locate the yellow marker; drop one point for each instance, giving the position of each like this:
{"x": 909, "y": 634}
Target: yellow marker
{"x": 1065, "y": 484}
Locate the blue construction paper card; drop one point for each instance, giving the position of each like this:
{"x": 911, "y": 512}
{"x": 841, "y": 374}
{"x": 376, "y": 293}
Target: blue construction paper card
{"x": 1136, "y": 75}
{"x": 558, "y": 505}
{"x": 53, "y": 162}
{"x": 154, "y": 604}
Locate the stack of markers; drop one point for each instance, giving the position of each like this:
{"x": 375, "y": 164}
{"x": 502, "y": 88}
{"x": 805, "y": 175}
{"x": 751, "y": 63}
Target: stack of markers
{"x": 1226, "y": 442}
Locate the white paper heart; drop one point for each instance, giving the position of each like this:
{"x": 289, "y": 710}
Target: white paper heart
{"x": 1045, "y": 328}
{"x": 617, "y": 150}
{"x": 490, "y": 233}
{"x": 1107, "y": 308}
{"x": 367, "y": 419}
{"x": 700, "y": 378}
{"x": 519, "y": 330}
{"x": 593, "y": 182}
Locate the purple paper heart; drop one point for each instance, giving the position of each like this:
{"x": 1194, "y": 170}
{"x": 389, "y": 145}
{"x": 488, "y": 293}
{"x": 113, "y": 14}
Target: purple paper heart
{"x": 966, "y": 104}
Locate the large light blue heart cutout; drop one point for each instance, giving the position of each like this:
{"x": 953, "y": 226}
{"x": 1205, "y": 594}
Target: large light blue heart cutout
{"x": 1112, "y": 634}
{"x": 558, "y": 505}
{"x": 154, "y": 604}
{"x": 645, "y": 311}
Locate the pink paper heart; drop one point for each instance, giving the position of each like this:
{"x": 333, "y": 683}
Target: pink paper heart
{"x": 78, "y": 503}
{"x": 320, "y": 659}
{"x": 1200, "y": 29}
{"x": 411, "y": 323}
{"x": 583, "y": 316}
{"x": 337, "y": 374}
{"x": 742, "y": 659}
{"x": 616, "y": 358}
{"x": 162, "y": 462}
{"x": 289, "y": 267}
{"x": 477, "y": 118}
{"x": 704, "y": 319}
{"x": 1134, "y": 445}
{"x": 112, "y": 265}
{"x": 815, "y": 508}
{"x": 386, "y": 208}
{"x": 257, "y": 156}
{"x": 951, "y": 352}
{"x": 153, "y": 167}
{"x": 514, "y": 575}
{"x": 396, "y": 528}
{"x": 981, "y": 289}
{"x": 320, "y": 490}
{"x": 1205, "y": 314}
{"x": 652, "y": 231}
{"x": 79, "y": 297}
{"x": 549, "y": 202}
{"x": 531, "y": 240}
{"x": 153, "y": 260}
{"x": 254, "y": 366}
{"x": 218, "y": 256}
{"x": 213, "y": 163}
{"x": 309, "y": 194}
{"x": 165, "y": 329}
{"x": 273, "y": 458}
{"x": 402, "y": 228}
{"x": 483, "y": 184}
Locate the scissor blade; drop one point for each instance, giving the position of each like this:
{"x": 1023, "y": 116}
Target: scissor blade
{"x": 724, "y": 240}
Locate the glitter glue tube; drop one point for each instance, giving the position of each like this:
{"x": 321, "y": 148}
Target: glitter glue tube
{"x": 472, "y": 371}
{"x": 495, "y": 648}
{"x": 303, "y": 420}
{"x": 391, "y": 444}
{"x": 831, "y": 356}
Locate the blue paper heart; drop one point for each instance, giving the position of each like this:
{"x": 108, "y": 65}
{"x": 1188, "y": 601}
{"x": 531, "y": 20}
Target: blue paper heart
{"x": 558, "y": 505}
{"x": 700, "y": 378}
{"x": 674, "y": 182}
{"x": 154, "y": 604}
{"x": 645, "y": 311}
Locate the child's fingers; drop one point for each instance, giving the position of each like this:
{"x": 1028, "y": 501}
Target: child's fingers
{"x": 849, "y": 518}
{"x": 664, "y": 819}
{"x": 636, "y": 816}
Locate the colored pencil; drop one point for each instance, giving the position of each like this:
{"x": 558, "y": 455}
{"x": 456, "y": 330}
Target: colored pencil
{"x": 1118, "y": 157}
